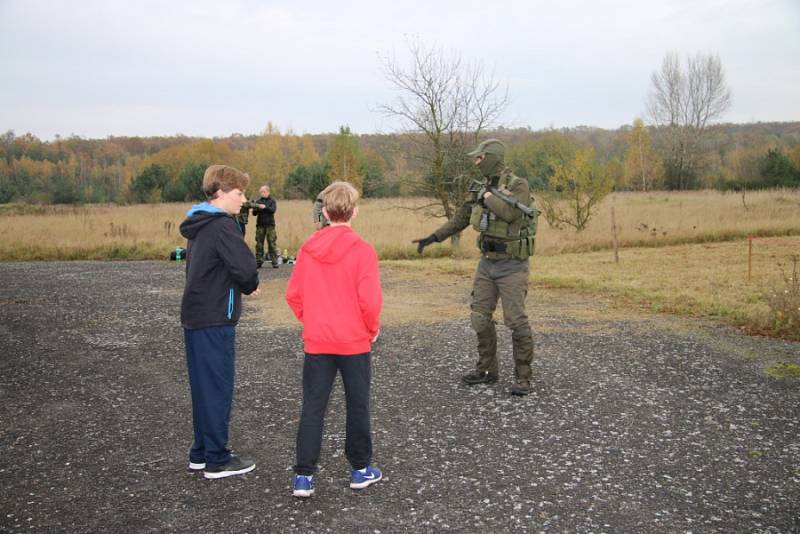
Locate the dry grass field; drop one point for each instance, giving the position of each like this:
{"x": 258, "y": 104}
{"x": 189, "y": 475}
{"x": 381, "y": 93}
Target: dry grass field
{"x": 643, "y": 219}
{"x": 681, "y": 252}
{"x": 707, "y": 279}
{"x": 669, "y": 218}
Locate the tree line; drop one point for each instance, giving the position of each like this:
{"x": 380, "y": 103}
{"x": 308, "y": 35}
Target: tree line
{"x": 169, "y": 169}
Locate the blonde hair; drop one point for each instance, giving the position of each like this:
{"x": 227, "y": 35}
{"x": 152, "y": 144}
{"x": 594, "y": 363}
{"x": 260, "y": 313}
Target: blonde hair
{"x": 224, "y": 178}
{"x": 340, "y": 200}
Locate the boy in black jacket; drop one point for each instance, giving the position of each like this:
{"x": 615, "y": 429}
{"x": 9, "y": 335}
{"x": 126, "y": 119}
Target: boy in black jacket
{"x": 219, "y": 268}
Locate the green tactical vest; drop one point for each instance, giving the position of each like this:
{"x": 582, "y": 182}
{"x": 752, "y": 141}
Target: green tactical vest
{"x": 518, "y": 238}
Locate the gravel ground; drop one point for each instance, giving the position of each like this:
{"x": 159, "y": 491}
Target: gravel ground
{"x": 639, "y": 423}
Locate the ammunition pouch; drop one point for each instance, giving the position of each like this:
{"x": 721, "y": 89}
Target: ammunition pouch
{"x": 519, "y": 249}
{"x": 475, "y": 216}
{"x": 498, "y": 239}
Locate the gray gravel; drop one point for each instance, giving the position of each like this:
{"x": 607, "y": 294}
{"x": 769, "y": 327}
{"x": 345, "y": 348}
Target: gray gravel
{"x": 655, "y": 424}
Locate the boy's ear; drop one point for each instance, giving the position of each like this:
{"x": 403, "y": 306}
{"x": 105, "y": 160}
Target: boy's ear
{"x": 325, "y": 213}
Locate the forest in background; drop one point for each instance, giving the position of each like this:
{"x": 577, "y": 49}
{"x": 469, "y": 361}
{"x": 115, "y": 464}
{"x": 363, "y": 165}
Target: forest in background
{"x": 125, "y": 170}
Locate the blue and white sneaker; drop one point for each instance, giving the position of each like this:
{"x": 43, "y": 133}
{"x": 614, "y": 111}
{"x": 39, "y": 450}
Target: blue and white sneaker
{"x": 361, "y": 478}
{"x": 303, "y": 486}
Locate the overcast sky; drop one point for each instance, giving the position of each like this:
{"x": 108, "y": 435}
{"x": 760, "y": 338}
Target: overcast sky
{"x": 212, "y": 68}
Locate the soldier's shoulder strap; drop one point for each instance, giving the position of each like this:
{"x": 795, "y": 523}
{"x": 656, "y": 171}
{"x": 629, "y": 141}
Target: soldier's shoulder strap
{"x": 514, "y": 180}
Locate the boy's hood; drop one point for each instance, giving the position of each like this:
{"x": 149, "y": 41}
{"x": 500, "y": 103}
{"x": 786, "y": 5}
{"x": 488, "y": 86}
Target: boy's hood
{"x": 330, "y": 244}
{"x": 198, "y": 217}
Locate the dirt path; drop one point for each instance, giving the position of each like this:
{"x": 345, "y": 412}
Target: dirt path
{"x": 640, "y": 422}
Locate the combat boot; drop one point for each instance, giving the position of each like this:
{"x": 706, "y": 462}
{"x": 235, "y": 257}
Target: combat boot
{"x": 479, "y": 377}
{"x": 521, "y": 388}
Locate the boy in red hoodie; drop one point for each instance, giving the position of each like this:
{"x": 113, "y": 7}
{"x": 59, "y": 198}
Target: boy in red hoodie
{"x": 335, "y": 292}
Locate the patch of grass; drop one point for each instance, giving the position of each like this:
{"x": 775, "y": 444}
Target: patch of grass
{"x": 102, "y": 252}
{"x": 704, "y": 280}
{"x": 784, "y": 301}
{"x": 405, "y": 293}
{"x": 96, "y": 232}
{"x": 672, "y": 218}
{"x": 784, "y": 370}
{"x": 22, "y": 209}
{"x": 707, "y": 280}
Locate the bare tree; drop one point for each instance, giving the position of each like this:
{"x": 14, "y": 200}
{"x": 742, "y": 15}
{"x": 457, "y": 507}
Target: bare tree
{"x": 685, "y": 102}
{"x": 443, "y": 105}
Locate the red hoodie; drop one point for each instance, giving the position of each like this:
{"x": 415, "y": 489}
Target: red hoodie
{"x": 335, "y": 291}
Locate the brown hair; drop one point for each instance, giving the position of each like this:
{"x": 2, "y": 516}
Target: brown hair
{"x": 340, "y": 200}
{"x": 225, "y": 178}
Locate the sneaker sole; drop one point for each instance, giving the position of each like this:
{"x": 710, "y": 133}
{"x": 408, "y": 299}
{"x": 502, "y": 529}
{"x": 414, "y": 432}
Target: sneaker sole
{"x": 362, "y": 485}
{"x": 303, "y": 493}
{"x": 196, "y": 467}
{"x": 222, "y": 474}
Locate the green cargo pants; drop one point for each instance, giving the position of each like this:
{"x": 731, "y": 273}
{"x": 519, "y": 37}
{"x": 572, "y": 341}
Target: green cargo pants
{"x": 506, "y": 279}
{"x": 272, "y": 244}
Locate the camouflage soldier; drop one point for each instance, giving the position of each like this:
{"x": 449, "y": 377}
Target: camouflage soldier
{"x": 499, "y": 210}
{"x": 265, "y": 228}
{"x": 244, "y": 214}
{"x": 320, "y": 221}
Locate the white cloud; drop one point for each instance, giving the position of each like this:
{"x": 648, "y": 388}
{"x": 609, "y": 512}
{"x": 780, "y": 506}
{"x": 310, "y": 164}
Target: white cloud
{"x": 212, "y": 68}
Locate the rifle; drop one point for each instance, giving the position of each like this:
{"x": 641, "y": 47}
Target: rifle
{"x": 511, "y": 201}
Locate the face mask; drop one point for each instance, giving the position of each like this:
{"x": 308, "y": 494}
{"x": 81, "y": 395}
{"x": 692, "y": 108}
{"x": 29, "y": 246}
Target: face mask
{"x": 491, "y": 164}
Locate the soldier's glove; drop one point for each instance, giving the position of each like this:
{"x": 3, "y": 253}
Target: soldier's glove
{"x": 424, "y": 242}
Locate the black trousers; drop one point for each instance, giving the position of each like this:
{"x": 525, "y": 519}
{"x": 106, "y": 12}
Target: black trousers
{"x": 319, "y": 372}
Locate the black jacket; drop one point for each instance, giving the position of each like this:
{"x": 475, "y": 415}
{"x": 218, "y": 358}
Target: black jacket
{"x": 266, "y": 216}
{"x": 219, "y": 268}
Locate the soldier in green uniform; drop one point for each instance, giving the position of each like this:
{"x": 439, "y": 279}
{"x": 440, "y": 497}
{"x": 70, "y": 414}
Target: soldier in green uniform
{"x": 499, "y": 208}
{"x": 320, "y": 221}
{"x": 265, "y": 228}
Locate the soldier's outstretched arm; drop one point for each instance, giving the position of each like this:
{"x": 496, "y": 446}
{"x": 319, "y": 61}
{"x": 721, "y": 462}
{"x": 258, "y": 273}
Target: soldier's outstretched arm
{"x": 424, "y": 242}
{"x": 459, "y": 221}
{"x": 453, "y": 226}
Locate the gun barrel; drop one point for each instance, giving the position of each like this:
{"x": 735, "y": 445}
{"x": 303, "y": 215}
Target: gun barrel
{"x": 512, "y": 201}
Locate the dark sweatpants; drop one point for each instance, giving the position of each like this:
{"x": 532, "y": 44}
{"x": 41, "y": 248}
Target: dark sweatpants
{"x": 210, "y": 357}
{"x": 319, "y": 372}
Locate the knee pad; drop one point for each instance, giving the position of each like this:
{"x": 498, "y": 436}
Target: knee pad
{"x": 519, "y": 329}
{"x": 480, "y": 321}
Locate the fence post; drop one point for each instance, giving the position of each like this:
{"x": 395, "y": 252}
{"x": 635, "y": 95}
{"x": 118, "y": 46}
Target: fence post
{"x": 749, "y": 257}
{"x": 614, "y": 233}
